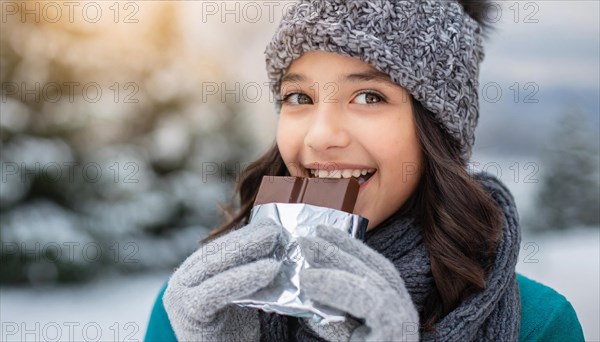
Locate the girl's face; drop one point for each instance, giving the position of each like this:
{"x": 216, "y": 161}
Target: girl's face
{"x": 340, "y": 117}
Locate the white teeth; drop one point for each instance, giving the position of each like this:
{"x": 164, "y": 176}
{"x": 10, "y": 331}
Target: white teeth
{"x": 335, "y": 174}
{"x": 347, "y": 173}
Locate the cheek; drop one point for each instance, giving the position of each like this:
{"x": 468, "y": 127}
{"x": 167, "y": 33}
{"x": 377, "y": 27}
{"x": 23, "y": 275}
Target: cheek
{"x": 398, "y": 153}
{"x": 289, "y": 140}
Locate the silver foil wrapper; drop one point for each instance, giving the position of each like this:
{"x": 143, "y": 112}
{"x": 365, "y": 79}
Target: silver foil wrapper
{"x": 284, "y": 295}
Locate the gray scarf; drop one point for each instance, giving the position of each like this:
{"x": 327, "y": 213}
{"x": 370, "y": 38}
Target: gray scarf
{"x": 492, "y": 314}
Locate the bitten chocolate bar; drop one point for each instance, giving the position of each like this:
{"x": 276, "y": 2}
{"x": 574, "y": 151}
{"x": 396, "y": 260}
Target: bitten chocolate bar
{"x": 300, "y": 206}
{"x": 337, "y": 194}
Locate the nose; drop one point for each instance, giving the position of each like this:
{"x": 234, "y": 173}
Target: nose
{"x": 328, "y": 128}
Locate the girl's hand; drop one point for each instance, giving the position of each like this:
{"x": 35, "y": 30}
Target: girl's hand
{"x": 348, "y": 275}
{"x": 199, "y": 293}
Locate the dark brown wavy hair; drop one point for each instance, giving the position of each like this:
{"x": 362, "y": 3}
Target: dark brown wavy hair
{"x": 461, "y": 222}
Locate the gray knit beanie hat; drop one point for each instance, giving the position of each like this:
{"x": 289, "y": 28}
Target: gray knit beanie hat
{"x": 432, "y": 48}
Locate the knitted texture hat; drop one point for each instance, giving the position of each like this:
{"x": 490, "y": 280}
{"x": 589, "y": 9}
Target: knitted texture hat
{"x": 432, "y": 48}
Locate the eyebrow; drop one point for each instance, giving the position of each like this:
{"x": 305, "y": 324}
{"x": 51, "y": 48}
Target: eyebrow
{"x": 371, "y": 75}
{"x": 366, "y": 76}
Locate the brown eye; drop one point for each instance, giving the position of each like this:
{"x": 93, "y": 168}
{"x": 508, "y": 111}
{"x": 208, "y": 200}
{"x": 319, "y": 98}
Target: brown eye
{"x": 297, "y": 99}
{"x": 369, "y": 98}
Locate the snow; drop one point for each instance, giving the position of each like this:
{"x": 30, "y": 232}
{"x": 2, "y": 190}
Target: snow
{"x": 40, "y": 225}
{"x": 38, "y": 155}
{"x": 15, "y": 115}
{"x": 569, "y": 263}
{"x": 113, "y": 309}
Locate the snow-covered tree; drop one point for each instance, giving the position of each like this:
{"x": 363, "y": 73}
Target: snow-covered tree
{"x": 569, "y": 195}
{"x": 130, "y": 181}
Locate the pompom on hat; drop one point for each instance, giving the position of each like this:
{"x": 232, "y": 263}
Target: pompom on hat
{"x": 431, "y": 48}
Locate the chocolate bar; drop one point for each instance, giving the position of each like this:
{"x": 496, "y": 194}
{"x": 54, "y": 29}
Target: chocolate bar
{"x": 300, "y": 206}
{"x": 332, "y": 193}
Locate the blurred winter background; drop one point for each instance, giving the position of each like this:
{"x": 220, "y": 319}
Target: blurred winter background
{"x": 124, "y": 124}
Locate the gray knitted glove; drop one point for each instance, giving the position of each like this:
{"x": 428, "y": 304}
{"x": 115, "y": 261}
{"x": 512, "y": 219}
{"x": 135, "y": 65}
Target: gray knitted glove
{"x": 228, "y": 268}
{"x": 348, "y": 275}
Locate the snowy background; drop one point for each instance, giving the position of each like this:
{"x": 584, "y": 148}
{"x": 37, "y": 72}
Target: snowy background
{"x": 123, "y": 128}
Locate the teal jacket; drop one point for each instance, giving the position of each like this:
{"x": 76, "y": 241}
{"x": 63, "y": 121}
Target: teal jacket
{"x": 546, "y": 315}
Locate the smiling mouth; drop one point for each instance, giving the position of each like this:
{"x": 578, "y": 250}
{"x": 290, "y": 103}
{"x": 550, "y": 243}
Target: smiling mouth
{"x": 361, "y": 175}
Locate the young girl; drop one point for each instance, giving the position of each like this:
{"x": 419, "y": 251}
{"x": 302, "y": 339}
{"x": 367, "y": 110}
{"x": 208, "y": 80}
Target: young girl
{"x": 384, "y": 91}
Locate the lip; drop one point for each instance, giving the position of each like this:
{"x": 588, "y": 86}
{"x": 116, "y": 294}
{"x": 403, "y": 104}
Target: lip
{"x": 335, "y": 166}
{"x": 363, "y": 185}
